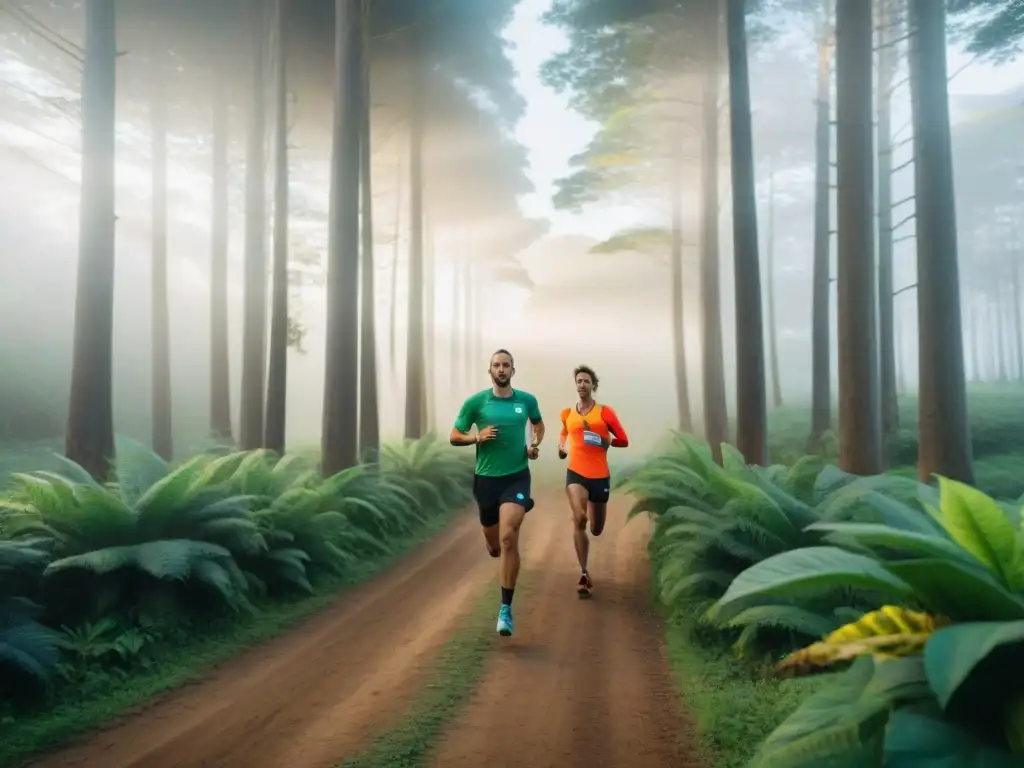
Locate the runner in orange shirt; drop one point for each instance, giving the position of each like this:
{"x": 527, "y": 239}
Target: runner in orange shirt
{"x": 588, "y": 430}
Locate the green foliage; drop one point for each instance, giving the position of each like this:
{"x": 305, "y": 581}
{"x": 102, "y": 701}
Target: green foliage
{"x": 968, "y": 570}
{"x": 811, "y": 552}
{"x": 115, "y": 571}
{"x": 712, "y": 523}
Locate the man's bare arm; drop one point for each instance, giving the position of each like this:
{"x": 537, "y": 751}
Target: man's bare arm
{"x": 462, "y": 439}
{"x": 538, "y": 433}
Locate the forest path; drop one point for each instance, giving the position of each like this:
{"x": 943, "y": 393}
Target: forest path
{"x": 581, "y": 682}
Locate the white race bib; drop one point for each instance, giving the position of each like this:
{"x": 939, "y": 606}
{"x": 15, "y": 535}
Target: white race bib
{"x": 591, "y": 438}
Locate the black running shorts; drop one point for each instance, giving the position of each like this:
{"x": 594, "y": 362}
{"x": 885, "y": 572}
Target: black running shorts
{"x": 598, "y": 489}
{"x": 491, "y": 492}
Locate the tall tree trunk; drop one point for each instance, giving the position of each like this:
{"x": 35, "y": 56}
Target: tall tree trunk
{"x": 277, "y": 370}
{"x": 972, "y": 321}
{"x": 821, "y": 315}
{"x": 254, "y": 329}
{"x": 429, "y": 323}
{"x": 860, "y": 425}
{"x": 678, "y": 331}
{"x": 944, "y": 444}
{"x": 220, "y": 379}
{"x": 90, "y": 431}
{"x": 716, "y": 417}
{"x": 455, "y": 366}
{"x": 994, "y": 307}
{"x": 773, "y": 333}
{"x": 339, "y": 441}
{"x": 901, "y": 374}
{"x": 396, "y": 250}
{"x": 369, "y": 411}
{"x": 415, "y": 421}
{"x": 889, "y": 33}
{"x": 751, "y": 409}
{"x": 163, "y": 442}
{"x": 1018, "y": 330}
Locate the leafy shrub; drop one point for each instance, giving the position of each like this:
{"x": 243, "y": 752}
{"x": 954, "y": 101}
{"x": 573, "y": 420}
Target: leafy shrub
{"x": 712, "y": 523}
{"x": 28, "y": 650}
{"x": 120, "y": 568}
{"x": 937, "y": 687}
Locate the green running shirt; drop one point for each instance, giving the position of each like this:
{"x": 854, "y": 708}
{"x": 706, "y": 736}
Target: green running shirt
{"x": 506, "y": 453}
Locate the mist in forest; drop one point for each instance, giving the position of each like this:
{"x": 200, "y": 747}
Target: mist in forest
{"x": 554, "y": 223}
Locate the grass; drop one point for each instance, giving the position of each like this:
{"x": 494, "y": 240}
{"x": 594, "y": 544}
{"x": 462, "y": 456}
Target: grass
{"x": 83, "y": 708}
{"x": 734, "y": 705}
{"x": 452, "y": 680}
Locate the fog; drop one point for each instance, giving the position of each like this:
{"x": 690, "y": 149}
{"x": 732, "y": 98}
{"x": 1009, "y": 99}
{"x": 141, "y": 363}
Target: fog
{"x": 542, "y": 283}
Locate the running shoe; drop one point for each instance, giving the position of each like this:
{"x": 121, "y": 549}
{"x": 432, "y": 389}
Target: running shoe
{"x": 505, "y": 623}
{"x": 584, "y": 585}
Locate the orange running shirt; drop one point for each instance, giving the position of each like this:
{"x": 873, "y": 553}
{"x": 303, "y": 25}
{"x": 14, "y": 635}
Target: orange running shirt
{"x": 585, "y": 459}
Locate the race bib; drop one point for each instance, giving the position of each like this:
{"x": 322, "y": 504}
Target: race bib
{"x": 591, "y": 438}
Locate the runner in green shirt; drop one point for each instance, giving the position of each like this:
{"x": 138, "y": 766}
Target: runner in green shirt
{"x": 501, "y": 486}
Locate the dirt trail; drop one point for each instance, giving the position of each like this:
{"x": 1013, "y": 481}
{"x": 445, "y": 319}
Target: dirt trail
{"x": 317, "y": 694}
{"x": 582, "y": 682}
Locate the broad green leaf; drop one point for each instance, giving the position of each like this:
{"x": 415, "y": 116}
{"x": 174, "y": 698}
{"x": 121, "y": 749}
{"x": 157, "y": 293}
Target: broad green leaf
{"x": 953, "y": 589}
{"x": 910, "y": 542}
{"x": 837, "y": 725}
{"x": 978, "y": 524}
{"x": 790, "y": 573}
{"x": 914, "y": 740}
{"x": 953, "y": 653}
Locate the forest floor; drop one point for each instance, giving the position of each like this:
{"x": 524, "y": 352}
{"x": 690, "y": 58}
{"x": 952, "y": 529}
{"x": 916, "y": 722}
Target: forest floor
{"x": 406, "y": 670}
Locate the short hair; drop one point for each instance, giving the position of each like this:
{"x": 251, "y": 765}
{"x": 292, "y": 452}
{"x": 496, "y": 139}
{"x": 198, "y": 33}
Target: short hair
{"x": 504, "y": 352}
{"x": 587, "y": 370}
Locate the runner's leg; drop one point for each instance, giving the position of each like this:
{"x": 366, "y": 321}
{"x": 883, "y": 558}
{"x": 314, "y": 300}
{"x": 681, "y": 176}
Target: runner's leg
{"x": 596, "y": 513}
{"x": 577, "y": 495}
{"x": 510, "y": 520}
{"x": 511, "y": 517}
{"x": 598, "y": 506}
{"x": 492, "y": 540}
{"x": 488, "y": 502}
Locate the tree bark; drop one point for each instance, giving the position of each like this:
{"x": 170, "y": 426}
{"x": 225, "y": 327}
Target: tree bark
{"x": 369, "y": 412}
{"x": 716, "y": 417}
{"x": 944, "y": 446}
{"x": 685, "y": 417}
{"x": 277, "y": 370}
{"x": 860, "y": 426}
{"x": 90, "y": 431}
{"x": 889, "y": 32}
{"x": 429, "y": 323}
{"x": 751, "y": 409}
{"x": 415, "y": 363}
{"x": 339, "y": 440}
{"x": 163, "y": 442}
{"x": 773, "y": 333}
{"x": 972, "y": 321}
{"x": 254, "y": 330}
{"x": 396, "y": 250}
{"x": 995, "y": 312}
{"x": 901, "y": 374}
{"x": 220, "y": 379}
{"x": 455, "y": 365}
{"x": 821, "y": 316}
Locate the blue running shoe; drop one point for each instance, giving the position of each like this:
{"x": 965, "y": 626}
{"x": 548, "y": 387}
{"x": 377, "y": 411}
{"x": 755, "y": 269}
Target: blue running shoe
{"x": 505, "y": 623}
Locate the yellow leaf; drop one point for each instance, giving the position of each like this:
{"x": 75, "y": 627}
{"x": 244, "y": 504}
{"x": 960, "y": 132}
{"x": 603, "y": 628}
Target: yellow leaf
{"x": 887, "y": 633}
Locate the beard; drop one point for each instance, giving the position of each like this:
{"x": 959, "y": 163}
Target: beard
{"x": 500, "y": 380}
